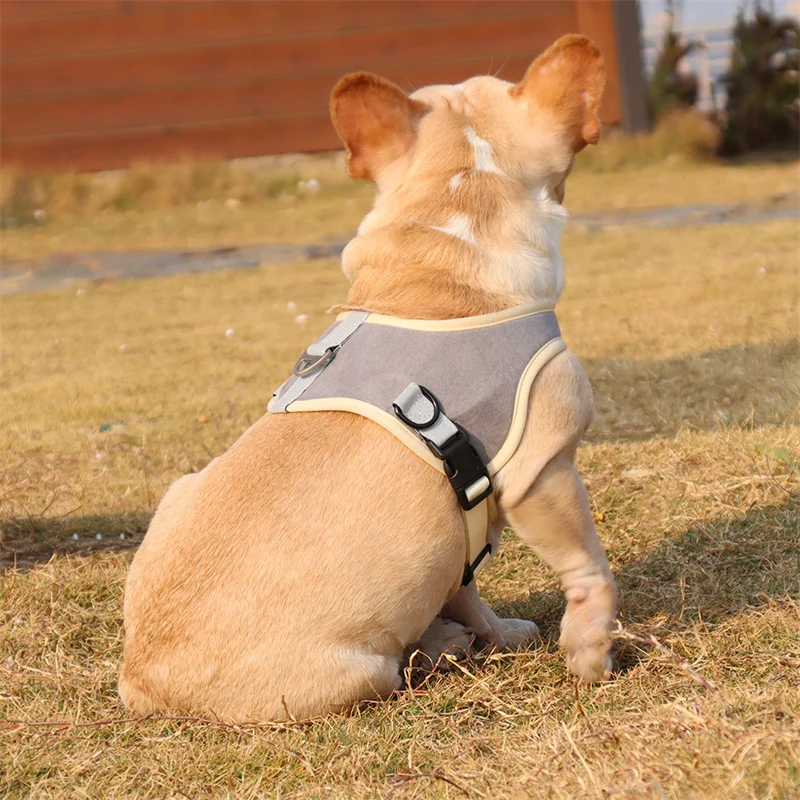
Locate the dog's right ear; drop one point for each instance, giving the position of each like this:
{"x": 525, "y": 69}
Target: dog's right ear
{"x": 567, "y": 83}
{"x": 376, "y": 121}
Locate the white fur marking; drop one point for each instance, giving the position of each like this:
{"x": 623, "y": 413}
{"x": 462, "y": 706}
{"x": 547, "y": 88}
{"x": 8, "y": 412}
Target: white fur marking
{"x": 525, "y": 260}
{"x": 459, "y": 226}
{"x": 455, "y": 181}
{"x": 484, "y": 155}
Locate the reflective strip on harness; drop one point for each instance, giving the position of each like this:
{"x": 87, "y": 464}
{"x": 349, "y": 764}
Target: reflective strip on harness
{"x": 316, "y": 357}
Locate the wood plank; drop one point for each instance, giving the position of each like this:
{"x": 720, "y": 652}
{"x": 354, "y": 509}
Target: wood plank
{"x": 116, "y": 110}
{"x": 249, "y": 99}
{"x": 88, "y": 152}
{"x": 16, "y": 10}
{"x": 150, "y": 24}
{"x": 232, "y": 62}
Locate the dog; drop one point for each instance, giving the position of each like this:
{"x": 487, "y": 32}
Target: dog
{"x": 288, "y": 577}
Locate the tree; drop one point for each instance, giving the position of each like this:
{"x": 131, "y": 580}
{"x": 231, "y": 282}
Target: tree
{"x": 670, "y": 88}
{"x": 763, "y": 108}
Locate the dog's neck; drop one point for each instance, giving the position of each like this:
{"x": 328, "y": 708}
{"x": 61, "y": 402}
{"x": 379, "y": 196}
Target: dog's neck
{"x": 421, "y": 253}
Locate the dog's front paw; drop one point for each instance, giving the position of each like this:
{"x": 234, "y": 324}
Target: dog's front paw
{"x": 585, "y": 631}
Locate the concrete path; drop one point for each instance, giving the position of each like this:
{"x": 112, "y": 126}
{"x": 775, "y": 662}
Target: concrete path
{"x": 69, "y": 269}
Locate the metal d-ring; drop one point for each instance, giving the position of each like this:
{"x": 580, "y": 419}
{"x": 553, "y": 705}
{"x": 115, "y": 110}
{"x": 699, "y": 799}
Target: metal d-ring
{"x": 305, "y": 367}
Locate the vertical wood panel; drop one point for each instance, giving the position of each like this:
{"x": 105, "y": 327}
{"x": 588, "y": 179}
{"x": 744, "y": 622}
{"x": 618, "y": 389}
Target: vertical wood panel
{"x": 632, "y": 81}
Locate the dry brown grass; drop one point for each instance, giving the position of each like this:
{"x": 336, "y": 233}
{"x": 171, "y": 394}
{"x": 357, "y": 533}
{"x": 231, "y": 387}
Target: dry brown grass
{"x": 693, "y": 466}
{"x": 680, "y": 138}
{"x": 253, "y": 201}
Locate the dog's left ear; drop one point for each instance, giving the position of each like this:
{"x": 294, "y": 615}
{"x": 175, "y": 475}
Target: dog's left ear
{"x": 376, "y": 121}
{"x": 567, "y": 82}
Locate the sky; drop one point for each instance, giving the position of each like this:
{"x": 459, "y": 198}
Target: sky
{"x": 705, "y": 13}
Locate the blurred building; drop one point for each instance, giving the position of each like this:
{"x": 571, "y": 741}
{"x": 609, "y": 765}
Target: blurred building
{"x": 709, "y": 24}
{"x": 94, "y": 84}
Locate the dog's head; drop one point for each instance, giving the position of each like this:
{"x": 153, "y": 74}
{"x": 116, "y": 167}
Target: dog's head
{"x": 529, "y": 131}
{"x": 470, "y": 180}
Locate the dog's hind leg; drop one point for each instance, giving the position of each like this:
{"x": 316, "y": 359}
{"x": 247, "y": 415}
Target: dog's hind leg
{"x": 468, "y": 608}
{"x": 555, "y": 520}
{"x": 442, "y": 637}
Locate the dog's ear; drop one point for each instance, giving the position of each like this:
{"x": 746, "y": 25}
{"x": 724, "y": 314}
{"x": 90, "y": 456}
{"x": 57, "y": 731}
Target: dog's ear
{"x": 375, "y": 120}
{"x": 567, "y": 82}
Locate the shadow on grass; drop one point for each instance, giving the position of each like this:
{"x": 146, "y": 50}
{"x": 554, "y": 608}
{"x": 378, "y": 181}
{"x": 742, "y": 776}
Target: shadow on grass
{"x": 35, "y": 540}
{"x": 739, "y": 385}
{"x": 706, "y": 575}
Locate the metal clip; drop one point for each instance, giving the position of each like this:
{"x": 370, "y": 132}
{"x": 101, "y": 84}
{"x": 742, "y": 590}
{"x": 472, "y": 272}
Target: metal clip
{"x": 305, "y": 365}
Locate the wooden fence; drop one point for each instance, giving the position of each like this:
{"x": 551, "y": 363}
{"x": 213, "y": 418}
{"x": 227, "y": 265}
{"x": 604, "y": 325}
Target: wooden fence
{"x": 92, "y": 84}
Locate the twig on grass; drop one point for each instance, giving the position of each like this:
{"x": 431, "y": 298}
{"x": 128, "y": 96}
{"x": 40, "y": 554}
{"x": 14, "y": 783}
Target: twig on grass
{"x": 621, "y": 633}
{"x": 578, "y": 753}
{"x": 405, "y": 777}
{"x": 579, "y": 705}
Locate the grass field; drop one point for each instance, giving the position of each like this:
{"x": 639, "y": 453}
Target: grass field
{"x": 693, "y": 465}
{"x": 162, "y": 216}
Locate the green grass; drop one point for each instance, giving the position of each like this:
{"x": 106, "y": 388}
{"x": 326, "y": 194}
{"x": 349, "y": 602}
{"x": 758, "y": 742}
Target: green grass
{"x": 693, "y": 465}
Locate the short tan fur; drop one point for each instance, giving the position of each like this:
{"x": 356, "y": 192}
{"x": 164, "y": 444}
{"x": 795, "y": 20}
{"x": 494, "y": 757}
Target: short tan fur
{"x": 288, "y": 578}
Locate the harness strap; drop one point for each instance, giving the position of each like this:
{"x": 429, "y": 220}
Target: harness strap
{"x": 417, "y": 408}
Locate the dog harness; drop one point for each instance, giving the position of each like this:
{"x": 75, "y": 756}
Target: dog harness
{"x": 454, "y": 391}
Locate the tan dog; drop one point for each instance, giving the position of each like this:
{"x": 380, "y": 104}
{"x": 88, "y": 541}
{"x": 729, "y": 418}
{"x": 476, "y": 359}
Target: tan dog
{"x": 267, "y": 586}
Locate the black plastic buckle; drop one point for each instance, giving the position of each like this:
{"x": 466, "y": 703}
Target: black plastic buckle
{"x": 462, "y": 464}
{"x": 463, "y": 467}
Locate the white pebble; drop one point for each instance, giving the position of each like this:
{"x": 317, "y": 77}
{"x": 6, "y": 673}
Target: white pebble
{"x": 123, "y": 347}
{"x": 10, "y": 663}
{"x": 230, "y": 332}
{"x": 19, "y": 621}
{"x": 40, "y": 215}
{"x": 75, "y": 537}
{"x": 301, "y": 319}
{"x": 122, "y": 536}
{"x": 99, "y": 536}
{"x": 291, "y": 306}
{"x": 311, "y": 186}
{"x": 98, "y": 456}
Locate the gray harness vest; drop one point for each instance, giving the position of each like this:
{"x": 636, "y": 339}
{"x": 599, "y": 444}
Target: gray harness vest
{"x": 454, "y": 391}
